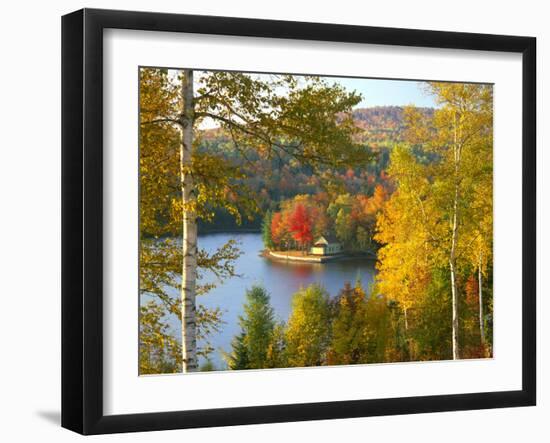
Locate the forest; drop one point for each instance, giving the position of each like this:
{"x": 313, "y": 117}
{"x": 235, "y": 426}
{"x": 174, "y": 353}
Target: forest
{"x": 409, "y": 186}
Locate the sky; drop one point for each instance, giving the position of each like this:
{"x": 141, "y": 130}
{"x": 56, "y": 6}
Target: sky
{"x": 375, "y": 92}
{"x": 387, "y": 92}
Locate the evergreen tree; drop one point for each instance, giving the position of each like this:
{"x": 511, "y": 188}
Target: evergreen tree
{"x": 266, "y": 230}
{"x": 306, "y": 118}
{"x": 238, "y": 359}
{"x": 250, "y": 348}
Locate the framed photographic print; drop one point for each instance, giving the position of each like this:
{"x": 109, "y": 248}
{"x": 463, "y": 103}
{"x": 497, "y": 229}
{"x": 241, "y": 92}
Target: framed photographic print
{"x": 270, "y": 221}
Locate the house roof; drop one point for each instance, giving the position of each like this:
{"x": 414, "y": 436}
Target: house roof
{"x": 326, "y": 239}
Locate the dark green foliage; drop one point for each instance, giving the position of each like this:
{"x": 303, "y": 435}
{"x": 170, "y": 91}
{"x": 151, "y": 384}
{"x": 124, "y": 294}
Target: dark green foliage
{"x": 354, "y": 328}
{"x": 266, "y": 230}
{"x": 238, "y": 359}
{"x": 250, "y": 348}
{"x": 208, "y": 366}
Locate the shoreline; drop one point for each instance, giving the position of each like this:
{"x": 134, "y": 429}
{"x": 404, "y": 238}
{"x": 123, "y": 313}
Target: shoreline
{"x": 283, "y": 256}
{"x": 234, "y": 231}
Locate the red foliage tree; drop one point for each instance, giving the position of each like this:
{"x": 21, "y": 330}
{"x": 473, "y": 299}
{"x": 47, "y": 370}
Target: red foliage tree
{"x": 300, "y": 225}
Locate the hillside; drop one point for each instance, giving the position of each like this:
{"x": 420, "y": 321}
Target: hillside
{"x": 279, "y": 178}
{"x": 383, "y": 116}
{"x": 380, "y": 123}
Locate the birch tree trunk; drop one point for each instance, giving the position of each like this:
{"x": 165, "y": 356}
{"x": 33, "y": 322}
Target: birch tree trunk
{"x": 454, "y": 292}
{"x": 454, "y": 243}
{"x": 480, "y": 290}
{"x": 189, "y": 229}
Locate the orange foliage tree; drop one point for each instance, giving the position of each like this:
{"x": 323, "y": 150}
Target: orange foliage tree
{"x": 300, "y": 225}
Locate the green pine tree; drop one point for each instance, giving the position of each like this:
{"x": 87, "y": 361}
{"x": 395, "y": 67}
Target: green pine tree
{"x": 250, "y": 348}
{"x": 238, "y": 359}
{"x": 266, "y": 230}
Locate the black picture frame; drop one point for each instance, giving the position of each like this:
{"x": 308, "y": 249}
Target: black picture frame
{"x": 82, "y": 219}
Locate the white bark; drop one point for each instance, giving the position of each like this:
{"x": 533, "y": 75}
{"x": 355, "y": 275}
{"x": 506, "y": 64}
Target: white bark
{"x": 480, "y": 290}
{"x": 189, "y": 228}
{"x": 454, "y": 243}
{"x": 456, "y": 354}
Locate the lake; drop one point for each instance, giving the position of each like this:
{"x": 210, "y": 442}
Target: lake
{"x": 281, "y": 279}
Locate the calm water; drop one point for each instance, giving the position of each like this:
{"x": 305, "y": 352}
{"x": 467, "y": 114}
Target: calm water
{"x": 281, "y": 279}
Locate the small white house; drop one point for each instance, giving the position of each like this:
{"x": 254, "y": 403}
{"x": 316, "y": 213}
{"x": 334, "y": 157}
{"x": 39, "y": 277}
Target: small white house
{"x": 326, "y": 245}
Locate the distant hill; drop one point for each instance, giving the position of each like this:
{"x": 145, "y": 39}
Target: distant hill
{"x": 381, "y": 124}
{"x": 379, "y": 117}
{"x": 277, "y": 179}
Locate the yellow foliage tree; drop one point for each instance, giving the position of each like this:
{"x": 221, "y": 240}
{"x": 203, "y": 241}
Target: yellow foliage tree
{"x": 307, "y": 333}
{"x": 441, "y": 211}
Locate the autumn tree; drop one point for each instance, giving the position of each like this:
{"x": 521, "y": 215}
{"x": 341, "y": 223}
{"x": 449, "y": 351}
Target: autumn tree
{"x": 462, "y": 135}
{"x": 352, "y": 218}
{"x": 478, "y": 249}
{"x": 160, "y": 253}
{"x": 431, "y": 330}
{"x": 269, "y": 115}
{"x": 276, "y": 351}
{"x": 159, "y": 351}
{"x": 307, "y": 333}
{"x": 300, "y": 225}
{"x": 430, "y": 223}
{"x": 340, "y": 212}
{"x": 278, "y": 230}
{"x": 380, "y": 330}
{"x": 349, "y": 343}
{"x": 407, "y": 231}
{"x": 299, "y": 221}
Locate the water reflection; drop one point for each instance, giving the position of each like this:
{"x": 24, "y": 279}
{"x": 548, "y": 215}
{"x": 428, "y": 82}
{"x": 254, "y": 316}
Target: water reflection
{"x": 281, "y": 279}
